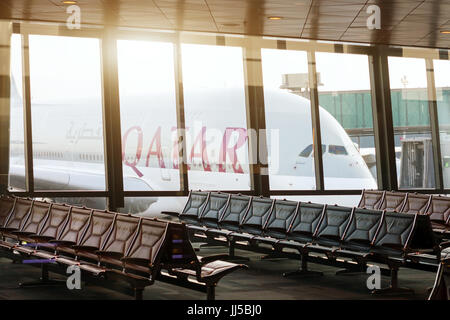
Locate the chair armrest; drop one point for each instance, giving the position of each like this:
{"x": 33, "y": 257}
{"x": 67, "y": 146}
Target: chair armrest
{"x": 171, "y": 213}
{"x": 22, "y": 233}
{"x": 205, "y": 260}
{"x": 85, "y": 248}
{"x": 38, "y": 238}
{"x": 109, "y": 254}
{"x": 137, "y": 261}
{"x": 444, "y": 245}
{"x": 62, "y": 243}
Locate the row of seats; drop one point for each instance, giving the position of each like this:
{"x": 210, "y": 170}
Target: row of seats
{"x": 370, "y": 235}
{"x": 105, "y": 244}
{"x": 275, "y": 221}
{"x": 435, "y": 206}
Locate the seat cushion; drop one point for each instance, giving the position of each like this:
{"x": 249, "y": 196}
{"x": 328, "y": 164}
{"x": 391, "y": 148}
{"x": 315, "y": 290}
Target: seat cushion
{"x": 67, "y": 261}
{"x": 25, "y": 250}
{"x": 44, "y": 255}
{"x": 445, "y": 254}
{"x": 95, "y": 270}
{"x": 7, "y": 245}
{"x": 216, "y": 268}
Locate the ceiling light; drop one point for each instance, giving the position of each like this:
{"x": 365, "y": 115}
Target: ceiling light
{"x": 69, "y": 2}
{"x": 275, "y": 18}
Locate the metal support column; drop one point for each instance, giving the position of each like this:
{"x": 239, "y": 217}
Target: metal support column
{"x": 434, "y": 123}
{"x": 111, "y": 121}
{"x": 5, "y": 53}
{"x": 315, "y": 118}
{"x": 181, "y": 136}
{"x": 382, "y": 118}
{"x": 256, "y": 120}
{"x": 29, "y": 167}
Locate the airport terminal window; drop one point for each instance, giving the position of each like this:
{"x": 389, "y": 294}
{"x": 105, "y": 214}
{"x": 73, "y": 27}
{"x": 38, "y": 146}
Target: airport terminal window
{"x": 441, "y": 72}
{"x": 66, "y": 104}
{"x": 17, "y": 146}
{"x": 288, "y": 120}
{"x": 148, "y": 116}
{"x": 346, "y": 121}
{"x": 411, "y": 118}
{"x": 215, "y": 116}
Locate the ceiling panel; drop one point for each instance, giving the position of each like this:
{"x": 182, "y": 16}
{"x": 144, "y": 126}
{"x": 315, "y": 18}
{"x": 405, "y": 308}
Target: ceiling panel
{"x": 403, "y": 22}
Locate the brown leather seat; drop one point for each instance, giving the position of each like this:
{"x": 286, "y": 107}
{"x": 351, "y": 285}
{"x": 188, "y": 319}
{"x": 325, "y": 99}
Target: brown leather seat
{"x": 392, "y": 201}
{"x": 132, "y": 248}
{"x": 18, "y": 216}
{"x": 416, "y": 203}
{"x": 121, "y": 237}
{"x": 34, "y": 223}
{"x": 50, "y": 230}
{"x": 74, "y": 230}
{"x": 143, "y": 251}
{"x": 54, "y": 224}
{"x": 6, "y": 206}
{"x": 439, "y": 212}
{"x": 95, "y": 235}
{"x": 179, "y": 259}
{"x": 371, "y": 199}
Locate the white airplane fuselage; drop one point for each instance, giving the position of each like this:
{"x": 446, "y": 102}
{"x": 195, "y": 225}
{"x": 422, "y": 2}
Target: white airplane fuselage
{"x": 68, "y": 147}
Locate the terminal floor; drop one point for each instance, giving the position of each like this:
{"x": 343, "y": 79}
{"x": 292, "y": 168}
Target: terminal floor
{"x": 263, "y": 280}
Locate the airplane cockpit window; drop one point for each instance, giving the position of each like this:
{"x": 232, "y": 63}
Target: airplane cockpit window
{"x": 309, "y": 151}
{"x": 306, "y": 152}
{"x": 338, "y": 150}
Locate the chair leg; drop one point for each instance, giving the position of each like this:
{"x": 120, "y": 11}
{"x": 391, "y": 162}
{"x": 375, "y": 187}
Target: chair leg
{"x": 393, "y": 286}
{"x": 231, "y": 253}
{"x": 138, "y": 294}
{"x": 303, "y": 271}
{"x": 272, "y": 256}
{"x": 44, "y": 280}
{"x": 211, "y": 292}
{"x": 439, "y": 290}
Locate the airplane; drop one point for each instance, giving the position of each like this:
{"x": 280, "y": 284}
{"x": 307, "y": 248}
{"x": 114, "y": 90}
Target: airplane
{"x": 68, "y": 147}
